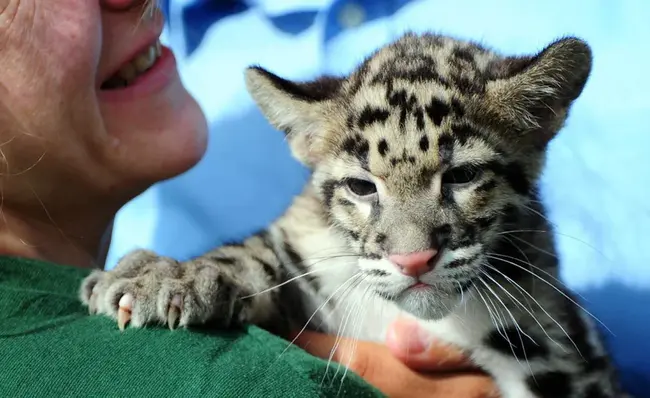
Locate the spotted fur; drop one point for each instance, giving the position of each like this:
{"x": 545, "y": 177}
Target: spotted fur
{"x": 432, "y": 142}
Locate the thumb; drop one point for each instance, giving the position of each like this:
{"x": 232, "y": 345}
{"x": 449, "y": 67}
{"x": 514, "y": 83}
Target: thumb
{"x": 417, "y": 349}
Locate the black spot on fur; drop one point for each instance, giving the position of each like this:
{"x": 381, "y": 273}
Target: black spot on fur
{"x": 382, "y": 147}
{"x": 406, "y": 104}
{"x": 514, "y": 175}
{"x": 358, "y": 147}
{"x": 467, "y": 238}
{"x": 423, "y": 178}
{"x": 294, "y": 257}
{"x": 380, "y": 238}
{"x": 345, "y": 202}
{"x": 424, "y": 143}
{"x": 375, "y": 211}
{"x": 373, "y": 256}
{"x": 550, "y": 385}
{"x": 363, "y": 150}
{"x": 268, "y": 268}
{"x": 457, "y": 108}
{"x": 468, "y": 85}
{"x": 510, "y": 215}
{"x": 359, "y": 77}
{"x": 352, "y": 234}
{"x": 350, "y": 144}
{"x": 594, "y": 363}
{"x": 437, "y": 110}
{"x": 594, "y": 391}
{"x": 298, "y": 262}
{"x": 486, "y": 222}
{"x": 328, "y": 189}
{"x": 424, "y": 73}
{"x": 446, "y": 147}
{"x": 419, "y": 118}
{"x": 350, "y": 122}
{"x": 223, "y": 260}
{"x": 447, "y": 195}
{"x": 512, "y": 342}
{"x": 508, "y": 269}
{"x": 405, "y": 158}
{"x": 370, "y": 116}
{"x": 464, "y": 54}
{"x": 377, "y": 272}
{"x": 487, "y": 186}
{"x": 463, "y": 132}
{"x": 459, "y": 262}
{"x": 265, "y": 235}
{"x": 443, "y": 232}
{"x": 385, "y": 295}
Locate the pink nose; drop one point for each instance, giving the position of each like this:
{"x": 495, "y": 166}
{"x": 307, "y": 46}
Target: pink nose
{"x": 414, "y": 264}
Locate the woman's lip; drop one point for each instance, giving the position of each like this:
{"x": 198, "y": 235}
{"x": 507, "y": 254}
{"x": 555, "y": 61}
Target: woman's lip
{"x": 154, "y": 29}
{"x": 151, "y": 81}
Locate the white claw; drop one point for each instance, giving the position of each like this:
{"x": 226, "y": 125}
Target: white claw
{"x": 92, "y": 301}
{"x": 91, "y": 304}
{"x": 174, "y": 312}
{"x": 124, "y": 311}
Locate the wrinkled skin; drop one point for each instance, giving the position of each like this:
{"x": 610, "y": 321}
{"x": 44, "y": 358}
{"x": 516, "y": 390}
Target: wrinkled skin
{"x": 68, "y": 148}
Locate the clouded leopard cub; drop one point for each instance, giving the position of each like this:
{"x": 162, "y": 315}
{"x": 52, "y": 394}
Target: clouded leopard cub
{"x": 422, "y": 200}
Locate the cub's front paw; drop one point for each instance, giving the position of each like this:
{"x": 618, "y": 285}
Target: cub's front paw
{"x": 145, "y": 288}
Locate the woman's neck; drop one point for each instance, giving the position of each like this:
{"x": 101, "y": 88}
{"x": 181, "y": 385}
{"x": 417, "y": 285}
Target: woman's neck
{"x": 82, "y": 242}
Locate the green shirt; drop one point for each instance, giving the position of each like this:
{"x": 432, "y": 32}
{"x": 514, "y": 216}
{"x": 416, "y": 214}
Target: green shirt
{"x": 51, "y": 347}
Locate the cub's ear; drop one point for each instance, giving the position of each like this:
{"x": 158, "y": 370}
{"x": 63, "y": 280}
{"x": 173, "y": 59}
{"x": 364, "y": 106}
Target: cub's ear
{"x": 298, "y": 109}
{"x": 536, "y": 92}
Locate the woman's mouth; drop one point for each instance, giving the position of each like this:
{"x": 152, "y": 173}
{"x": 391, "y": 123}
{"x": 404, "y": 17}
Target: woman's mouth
{"x": 135, "y": 68}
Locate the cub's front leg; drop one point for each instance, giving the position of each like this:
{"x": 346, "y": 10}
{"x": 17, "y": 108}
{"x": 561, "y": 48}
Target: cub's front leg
{"x": 220, "y": 288}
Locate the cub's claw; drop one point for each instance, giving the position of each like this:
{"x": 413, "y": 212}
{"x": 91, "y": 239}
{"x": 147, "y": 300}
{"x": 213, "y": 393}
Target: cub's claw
{"x": 174, "y": 313}
{"x": 124, "y": 311}
{"x": 147, "y": 289}
{"x": 92, "y": 303}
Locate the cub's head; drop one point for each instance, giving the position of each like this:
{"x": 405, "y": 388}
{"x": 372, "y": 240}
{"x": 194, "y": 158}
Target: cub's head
{"x": 422, "y": 154}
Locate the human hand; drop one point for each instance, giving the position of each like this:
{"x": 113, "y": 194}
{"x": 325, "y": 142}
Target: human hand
{"x": 409, "y": 365}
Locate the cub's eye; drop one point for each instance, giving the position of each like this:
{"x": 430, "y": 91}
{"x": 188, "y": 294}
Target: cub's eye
{"x": 460, "y": 175}
{"x": 361, "y": 187}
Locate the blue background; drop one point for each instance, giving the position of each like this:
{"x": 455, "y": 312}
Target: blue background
{"x": 596, "y": 183}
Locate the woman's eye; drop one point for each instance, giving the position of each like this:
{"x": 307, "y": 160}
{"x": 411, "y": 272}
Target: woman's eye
{"x": 361, "y": 187}
{"x": 460, "y": 175}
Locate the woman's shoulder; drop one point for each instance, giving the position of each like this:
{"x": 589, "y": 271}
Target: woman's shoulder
{"x": 51, "y": 346}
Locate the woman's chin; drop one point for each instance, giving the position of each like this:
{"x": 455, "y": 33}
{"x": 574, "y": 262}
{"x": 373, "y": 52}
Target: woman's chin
{"x": 159, "y": 145}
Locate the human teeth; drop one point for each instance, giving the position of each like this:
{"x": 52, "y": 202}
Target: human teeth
{"x": 144, "y": 61}
{"x": 127, "y": 72}
{"x": 140, "y": 64}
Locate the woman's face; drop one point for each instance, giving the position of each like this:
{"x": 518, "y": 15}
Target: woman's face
{"x": 89, "y": 102}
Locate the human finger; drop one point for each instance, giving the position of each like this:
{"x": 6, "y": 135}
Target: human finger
{"x": 411, "y": 344}
{"x": 377, "y": 366}
{"x": 445, "y": 385}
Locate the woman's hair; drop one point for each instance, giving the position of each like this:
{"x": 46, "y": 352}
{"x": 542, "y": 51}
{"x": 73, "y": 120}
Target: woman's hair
{"x": 149, "y": 7}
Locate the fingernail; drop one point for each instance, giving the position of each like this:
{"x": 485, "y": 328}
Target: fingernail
{"x": 408, "y": 338}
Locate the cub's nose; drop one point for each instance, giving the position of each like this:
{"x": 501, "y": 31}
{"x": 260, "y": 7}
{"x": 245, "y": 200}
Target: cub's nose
{"x": 415, "y": 263}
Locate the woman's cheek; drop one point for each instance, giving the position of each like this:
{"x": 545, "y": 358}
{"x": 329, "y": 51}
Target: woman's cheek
{"x": 68, "y": 41}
